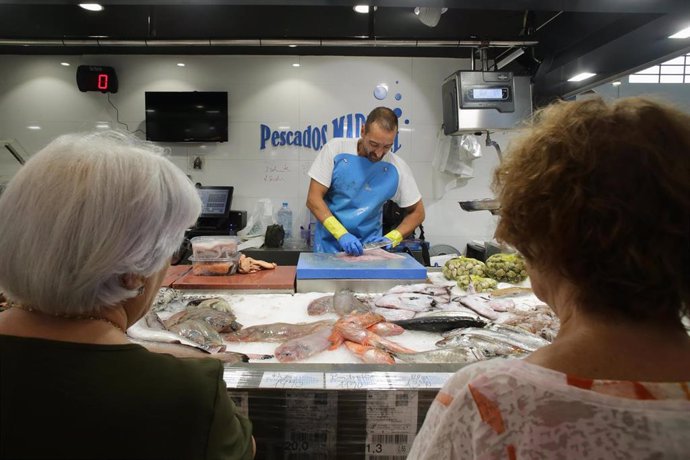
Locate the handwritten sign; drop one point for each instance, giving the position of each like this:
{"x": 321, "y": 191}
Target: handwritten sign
{"x": 292, "y": 380}
{"x": 357, "y": 381}
{"x": 417, "y": 380}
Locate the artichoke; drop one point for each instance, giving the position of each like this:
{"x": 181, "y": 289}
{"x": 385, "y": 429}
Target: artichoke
{"x": 480, "y": 284}
{"x": 460, "y": 266}
{"x": 509, "y": 268}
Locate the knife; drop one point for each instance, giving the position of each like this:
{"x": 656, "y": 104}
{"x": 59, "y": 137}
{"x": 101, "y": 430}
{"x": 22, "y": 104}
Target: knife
{"x": 377, "y": 245}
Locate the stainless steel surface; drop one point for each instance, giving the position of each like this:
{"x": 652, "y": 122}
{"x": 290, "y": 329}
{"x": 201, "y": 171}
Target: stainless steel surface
{"x": 355, "y": 285}
{"x": 481, "y": 205}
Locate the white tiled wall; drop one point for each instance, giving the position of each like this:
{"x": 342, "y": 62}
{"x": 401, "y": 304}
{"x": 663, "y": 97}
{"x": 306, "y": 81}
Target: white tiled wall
{"x": 262, "y": 90}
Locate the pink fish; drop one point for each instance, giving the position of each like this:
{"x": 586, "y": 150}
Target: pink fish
{"x": 386, "y": 329}
{"x": 303, "y": 347}
{"x": 368, "y": 354}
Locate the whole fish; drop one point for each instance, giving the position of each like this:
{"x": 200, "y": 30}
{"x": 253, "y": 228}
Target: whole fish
{"x": 393, "y": 314}
{"x": 199, "y": 332}
{"x": 524, "y": 336}
{"x": 275, "y": 332}
{"x": 150, "y": 328}
{"x": 369, "y": 354}
{"x": 479, "y": 304}
{"x": 219, "y": 320}
{"x": 521, "y": 341}
{"x": 214, "y": 302}
{"x": 407, "y": 301}
{"x": 510, "y": 292}
{"x": 420, "y": 288}
{"x": 440, "y": 322}
{"x": 490, "y": 347}
{"x": 304, "y": 347}
{"x": 386, "y": 329}
{"x": 443, "y": 355}
{"x": 320, "y": 306}
{"x": 345, "y": 302}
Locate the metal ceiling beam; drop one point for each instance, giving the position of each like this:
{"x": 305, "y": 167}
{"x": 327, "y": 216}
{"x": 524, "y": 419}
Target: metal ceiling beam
{"x": 582, "y": 6}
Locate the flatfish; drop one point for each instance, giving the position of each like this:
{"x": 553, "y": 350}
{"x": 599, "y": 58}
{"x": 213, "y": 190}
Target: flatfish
{"x": 420, "y": 288}
{"x": 479, "y": 304}
{"x": 219, "y": 320}
{"x": 276, "y": 332}
{"x": 393, "y": 314}
{"x": 199, "y": 332}
{"x": 443, "y": 355}
{"x": 303, "y": 347}
{"x": 407, "y": 301}
{"x": 151, "y": 328}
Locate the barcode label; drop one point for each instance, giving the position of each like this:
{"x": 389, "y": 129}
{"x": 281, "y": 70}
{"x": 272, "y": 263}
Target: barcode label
{"x": 390, "y": 438}
{"x": 402, "y": 400}
{"x": 309, "y": 437}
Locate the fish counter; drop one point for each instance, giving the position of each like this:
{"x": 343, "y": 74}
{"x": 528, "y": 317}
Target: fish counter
{"x": 347, "y": 374}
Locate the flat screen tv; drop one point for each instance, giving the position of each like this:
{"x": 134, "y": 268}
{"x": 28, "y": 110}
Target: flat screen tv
{"x": 191, "y": 116}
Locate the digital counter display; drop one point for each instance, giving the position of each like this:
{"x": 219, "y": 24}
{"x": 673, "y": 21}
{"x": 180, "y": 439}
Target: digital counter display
{"x": 488, "y": 93}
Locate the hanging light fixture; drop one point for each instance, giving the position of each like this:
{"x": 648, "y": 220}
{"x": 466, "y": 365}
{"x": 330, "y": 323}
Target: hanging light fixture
{"x": 429, "y": 16}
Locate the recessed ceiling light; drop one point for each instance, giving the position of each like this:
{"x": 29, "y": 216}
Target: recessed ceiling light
{"x": 361, "y": 8}
{"x": 582, "y": 76}
{"x": 296, "y": 64}
{"x": 102, "y": 125}
{"x": 616, "y": 83}
{"x": 685, "y": 33}
{"x": 91, "y": 6}
{"x": 180, "y": 64}
{"x": 34, "y": 127}
{"x": 292, "y": 46}
{"x": 66, "y": 64}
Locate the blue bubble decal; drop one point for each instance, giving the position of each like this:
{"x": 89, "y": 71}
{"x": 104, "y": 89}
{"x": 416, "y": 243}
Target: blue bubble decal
{"x": 398, "y": 97}
{"x": 407, "y": 122}
{"x": 398, "y": 112}
{"x": 380, "y": 92}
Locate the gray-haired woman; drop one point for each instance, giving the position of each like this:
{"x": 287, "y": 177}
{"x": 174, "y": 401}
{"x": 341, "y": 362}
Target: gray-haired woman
{"x": 87, "y": 231}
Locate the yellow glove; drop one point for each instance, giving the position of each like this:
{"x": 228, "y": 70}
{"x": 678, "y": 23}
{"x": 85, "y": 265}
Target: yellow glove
{"x": 395, "y": 237}
{"x": 334, "y": 227}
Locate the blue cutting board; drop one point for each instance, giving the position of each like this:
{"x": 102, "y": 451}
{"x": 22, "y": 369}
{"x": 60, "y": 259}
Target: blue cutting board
{"x": 320, "y": 265}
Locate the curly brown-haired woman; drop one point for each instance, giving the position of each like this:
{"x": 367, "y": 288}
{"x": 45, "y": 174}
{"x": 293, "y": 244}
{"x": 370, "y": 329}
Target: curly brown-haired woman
{"x": 596, "y": 196}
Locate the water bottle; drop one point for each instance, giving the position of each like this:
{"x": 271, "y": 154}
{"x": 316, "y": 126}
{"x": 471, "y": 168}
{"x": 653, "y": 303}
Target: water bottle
{"x": 284, "y": 218}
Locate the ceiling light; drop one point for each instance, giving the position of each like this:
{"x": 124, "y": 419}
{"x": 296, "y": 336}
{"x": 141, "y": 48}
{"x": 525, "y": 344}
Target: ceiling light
{"x": 685, "y": 33}
{"x": 66, "y": 64}
{"x": 33, "y": 127}
{"x": 429, "y": 16}
{"x": 91, "y": 6}
{"x": 364, "y": 9}
{"x": 296, "y": 64}
{"x": 102, "y": 125}
{"x": 581, "y": 76}
{"x": 292, "y": 46}
{"x": 616, "y": 83}
{"x": 180, "y": 64}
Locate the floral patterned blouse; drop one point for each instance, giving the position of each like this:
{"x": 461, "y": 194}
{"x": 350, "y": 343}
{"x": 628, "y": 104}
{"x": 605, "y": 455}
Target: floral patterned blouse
{"x": 510, "y": 409}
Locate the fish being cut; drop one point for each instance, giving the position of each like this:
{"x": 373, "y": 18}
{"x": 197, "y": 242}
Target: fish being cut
{"x": 304, "y": 347}
{"x": 444, "y": 321}
{"x": 443, "y": 355}
{"x": 407, "y": 301}
{"x": 276, "y": 332}
{"x": 370, "y": 255}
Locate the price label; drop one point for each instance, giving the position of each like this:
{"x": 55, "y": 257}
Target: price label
{"x": 357, "y": 381}
{"x": 232, "y": 377}
{"x": 311, "y": 424}
{"x": 391, "y": 424}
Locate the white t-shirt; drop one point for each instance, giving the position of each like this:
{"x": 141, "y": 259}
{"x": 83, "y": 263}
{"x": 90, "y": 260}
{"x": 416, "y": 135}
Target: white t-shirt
{"x": 321, "y": 170}
{"x": 510, "y": 409}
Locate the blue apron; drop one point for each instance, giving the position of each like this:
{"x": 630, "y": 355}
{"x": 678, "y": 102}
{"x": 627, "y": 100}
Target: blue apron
{"x": 358, "y": 191}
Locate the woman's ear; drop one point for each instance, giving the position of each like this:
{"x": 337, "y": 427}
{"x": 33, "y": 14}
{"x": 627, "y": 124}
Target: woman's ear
{"x": 132, "y": 281}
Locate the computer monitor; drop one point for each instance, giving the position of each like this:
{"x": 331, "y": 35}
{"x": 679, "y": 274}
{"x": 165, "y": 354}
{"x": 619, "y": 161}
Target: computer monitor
{"x": 215, "y": 205}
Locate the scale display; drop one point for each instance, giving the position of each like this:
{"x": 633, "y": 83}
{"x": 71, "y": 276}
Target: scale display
{"x": 96, "y": 78}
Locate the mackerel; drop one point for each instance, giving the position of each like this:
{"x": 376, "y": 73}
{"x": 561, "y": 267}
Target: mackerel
{"x": 443, "y": 355}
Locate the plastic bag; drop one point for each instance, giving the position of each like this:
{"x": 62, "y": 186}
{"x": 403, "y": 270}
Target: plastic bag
{"x": 455, "y": 156}
{"x": 259, "y": 220}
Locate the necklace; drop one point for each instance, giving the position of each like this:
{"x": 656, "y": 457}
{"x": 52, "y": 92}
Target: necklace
{"x": 75, "y": 317}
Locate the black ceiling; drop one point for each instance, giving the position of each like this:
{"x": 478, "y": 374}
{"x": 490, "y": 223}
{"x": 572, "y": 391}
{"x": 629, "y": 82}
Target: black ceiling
{"x": 561, "y": 38}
